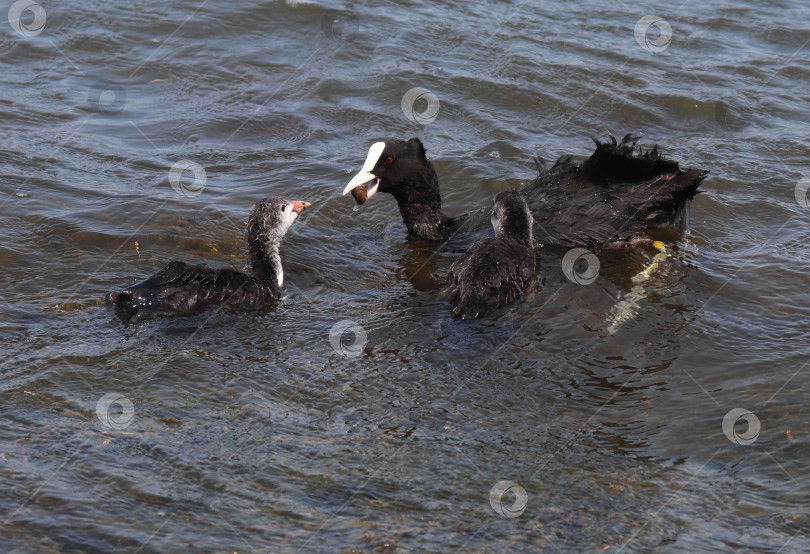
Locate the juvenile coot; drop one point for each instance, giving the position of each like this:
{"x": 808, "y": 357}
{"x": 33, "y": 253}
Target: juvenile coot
{"x": 181, "y": 288}
{"x": 613, "y": 197}
{"x": 494, "y": 272}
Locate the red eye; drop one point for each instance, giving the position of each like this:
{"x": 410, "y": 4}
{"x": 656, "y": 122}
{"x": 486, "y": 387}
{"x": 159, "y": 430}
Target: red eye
{"x": 389, "y": 160}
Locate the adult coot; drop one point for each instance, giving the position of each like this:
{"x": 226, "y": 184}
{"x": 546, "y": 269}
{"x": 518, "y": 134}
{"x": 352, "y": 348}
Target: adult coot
{"x": 494, "y": 272}
{"x": 613, "y": 197}
{"x": 181, "y": 288}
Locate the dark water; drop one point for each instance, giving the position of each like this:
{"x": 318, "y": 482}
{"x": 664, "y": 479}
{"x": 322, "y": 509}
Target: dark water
{"x": 249, "y": 432}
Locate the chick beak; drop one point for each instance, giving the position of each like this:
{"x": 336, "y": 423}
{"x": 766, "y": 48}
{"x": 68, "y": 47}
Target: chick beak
{"x": 299, "y": 206}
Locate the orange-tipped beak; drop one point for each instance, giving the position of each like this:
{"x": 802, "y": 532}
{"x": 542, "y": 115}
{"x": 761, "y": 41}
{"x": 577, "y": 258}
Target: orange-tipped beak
{"x": 299, "y": 206}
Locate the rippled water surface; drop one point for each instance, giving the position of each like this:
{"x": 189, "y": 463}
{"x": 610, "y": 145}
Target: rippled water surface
{"x": 234, "y": 431}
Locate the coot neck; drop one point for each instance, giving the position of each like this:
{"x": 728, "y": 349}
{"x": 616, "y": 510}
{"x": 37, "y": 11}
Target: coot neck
{"x": 264, "y": 256}
{"x": 420, "y": 204}
{"x": 523, "y": 240}
{"x": 520, "y": 232}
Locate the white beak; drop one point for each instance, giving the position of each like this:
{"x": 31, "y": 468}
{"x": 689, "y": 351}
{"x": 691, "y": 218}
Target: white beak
{"x": 365, "y": 174}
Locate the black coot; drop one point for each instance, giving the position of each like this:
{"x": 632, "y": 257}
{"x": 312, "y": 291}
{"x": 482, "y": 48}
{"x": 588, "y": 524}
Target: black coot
{"x": 495, "y": 272}
{"x": 613, "y": 197}
{"x": 180, "y": 288}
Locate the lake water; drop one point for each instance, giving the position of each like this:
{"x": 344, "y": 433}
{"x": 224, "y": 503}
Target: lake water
{"x": 600, "y": 406}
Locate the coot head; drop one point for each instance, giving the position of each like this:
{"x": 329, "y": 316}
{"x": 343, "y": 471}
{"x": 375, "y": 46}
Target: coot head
{"x": 512, "y": 218}
{"x": 390, "y": 167}
{"x": 273, "y": 216}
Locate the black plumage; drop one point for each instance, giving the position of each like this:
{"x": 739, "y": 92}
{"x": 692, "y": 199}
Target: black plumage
{"x": 495, "y": 272}
{"x": 615, "y": 196}
{"x": 180, "y": 288}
